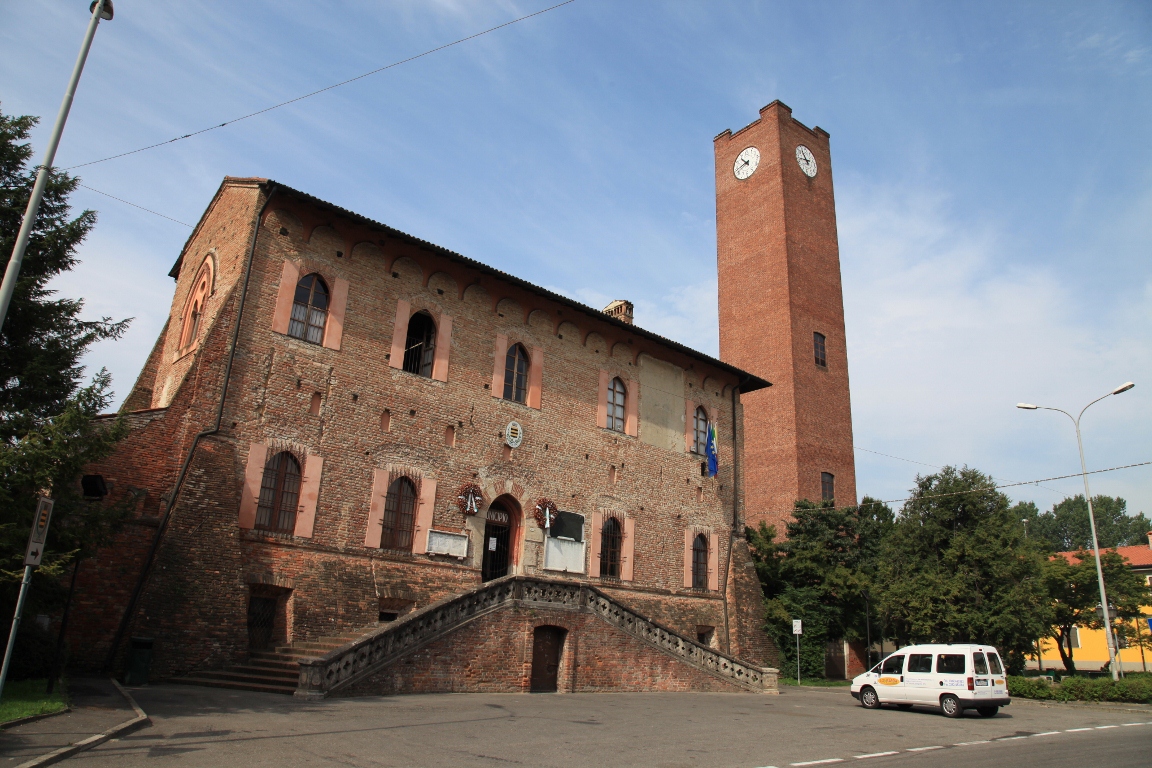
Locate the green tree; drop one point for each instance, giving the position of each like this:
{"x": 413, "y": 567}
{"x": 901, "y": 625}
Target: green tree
{"x": 957, "y": 567}
{"x": 819, "y": 574}
{"x": 43, "y": 337}
{"x": 1066, "y": 527}
{"x": 1074, "y": 594}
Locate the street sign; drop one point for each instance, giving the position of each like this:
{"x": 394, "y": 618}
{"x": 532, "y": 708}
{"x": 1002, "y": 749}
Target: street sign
{"x": 36, "y": 539}
{"x": 797, "y": 627}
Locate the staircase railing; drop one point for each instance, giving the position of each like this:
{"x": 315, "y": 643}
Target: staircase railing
{"x": 344, "y": 666}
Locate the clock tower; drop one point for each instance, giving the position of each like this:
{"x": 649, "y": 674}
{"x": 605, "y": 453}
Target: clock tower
{"x": 782, "y": 312}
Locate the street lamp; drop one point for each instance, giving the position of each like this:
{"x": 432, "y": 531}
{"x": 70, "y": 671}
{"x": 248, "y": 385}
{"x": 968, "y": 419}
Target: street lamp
{"x": 100, "y": 9}
{"x": 1112, "y": 663}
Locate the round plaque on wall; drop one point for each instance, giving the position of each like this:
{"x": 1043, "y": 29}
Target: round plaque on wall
{"x": 513, "y": 434}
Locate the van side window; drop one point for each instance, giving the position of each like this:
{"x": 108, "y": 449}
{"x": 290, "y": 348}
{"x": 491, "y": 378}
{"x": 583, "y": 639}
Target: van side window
{"x": 919, "y": 662}
{"x": 979, "y": 664}
{"x": 994, "y": 662}
{"x": 893, "y": 665}
{"x": 950, "y": 664}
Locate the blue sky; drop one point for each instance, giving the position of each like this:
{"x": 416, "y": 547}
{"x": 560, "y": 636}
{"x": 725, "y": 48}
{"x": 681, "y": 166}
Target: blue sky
{"x": 992, "y": 162}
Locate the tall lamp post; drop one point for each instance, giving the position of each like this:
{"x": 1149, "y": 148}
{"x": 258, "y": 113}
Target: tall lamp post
{"x": 100, "y": 9}
{"x": 1112, "y": 663}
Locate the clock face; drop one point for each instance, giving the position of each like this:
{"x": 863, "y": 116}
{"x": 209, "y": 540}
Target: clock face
{"x": 807, "y": 162}
{"x": 746, "y": 163}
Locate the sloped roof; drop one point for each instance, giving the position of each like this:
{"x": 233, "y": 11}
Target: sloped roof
{"x": 1138, "y": 556}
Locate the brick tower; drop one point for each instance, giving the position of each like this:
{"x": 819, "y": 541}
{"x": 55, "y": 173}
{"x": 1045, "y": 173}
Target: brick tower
{"x": 782, "y": 312}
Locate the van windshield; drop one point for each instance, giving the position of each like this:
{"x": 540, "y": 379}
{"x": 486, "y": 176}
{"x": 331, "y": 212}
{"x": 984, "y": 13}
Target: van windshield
{"x": 979, "y": 664}
{"x": 994, "y": 662}
{"x": 950, "y": 664}
{"x": 893, "y": 665}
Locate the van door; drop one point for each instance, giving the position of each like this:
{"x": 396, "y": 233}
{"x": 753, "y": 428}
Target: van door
{"x": 999, "y": 680}
{"x": 890, "y": 684}
{"x": 982, "y": 682}
{"x": 950, "y": 677}
{"x": 919, "y": 680}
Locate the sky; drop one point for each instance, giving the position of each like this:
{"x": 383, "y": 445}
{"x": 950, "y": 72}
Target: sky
{"x": 992, "y": 164}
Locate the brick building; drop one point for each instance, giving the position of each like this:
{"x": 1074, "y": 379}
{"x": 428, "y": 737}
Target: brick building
{"x": 363, "y": 459}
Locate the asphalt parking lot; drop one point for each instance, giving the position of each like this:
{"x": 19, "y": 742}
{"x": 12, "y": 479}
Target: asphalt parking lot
{"x": 212, "y": 728}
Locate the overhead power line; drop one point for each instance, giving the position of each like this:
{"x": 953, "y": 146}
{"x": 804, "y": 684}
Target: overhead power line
{"x": 934, "y": 466}
{"x": 149, "y": 210}
{"x": 322, "y": 90}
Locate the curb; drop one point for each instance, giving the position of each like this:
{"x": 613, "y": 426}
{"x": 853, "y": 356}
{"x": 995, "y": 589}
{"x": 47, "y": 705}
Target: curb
{"x": 32, "y": 718}
{"x": 1107, "y": 706}
{"x": 141, "y": 720}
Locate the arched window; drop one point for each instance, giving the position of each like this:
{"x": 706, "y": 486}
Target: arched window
{"x": 617, "y": 395}
{"x": 420, "y": 346}
{"x": 516, "y": 374}
{"x": 700, "y": 430}
{"x": 700, "y": 562}
{"x": 827, "y": 486}
{"x": 279, "y": 494}
{"x": 399, "y": 515}
{"x": 610, "y": 540}
{"x": 194, "y": 310}
{"x": 309, "y": 309}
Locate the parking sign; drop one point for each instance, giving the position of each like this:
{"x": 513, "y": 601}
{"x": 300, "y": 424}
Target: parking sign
{"x": 797, "y": 628}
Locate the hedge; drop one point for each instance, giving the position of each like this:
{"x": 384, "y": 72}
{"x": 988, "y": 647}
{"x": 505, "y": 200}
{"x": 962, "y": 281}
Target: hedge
{"x": 1134, "y": 690}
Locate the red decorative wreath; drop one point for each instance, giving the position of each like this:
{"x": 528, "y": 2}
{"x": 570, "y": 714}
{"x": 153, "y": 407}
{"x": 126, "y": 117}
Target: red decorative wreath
{"x": 470, "y": 499}
{"x": 545, "y": 512}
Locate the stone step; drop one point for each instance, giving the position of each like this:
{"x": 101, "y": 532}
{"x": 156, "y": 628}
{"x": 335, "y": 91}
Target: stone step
{"x": 313, "y": 646}
{"x": 277, "y": 664}
{"x": 234, "y": 685}
{"x": 249, "y": 675}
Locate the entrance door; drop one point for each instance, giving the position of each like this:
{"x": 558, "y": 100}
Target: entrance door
{"x": 496, "y": 530}
{"x": 547, "y": 643}
{"x": 261, "y": 621}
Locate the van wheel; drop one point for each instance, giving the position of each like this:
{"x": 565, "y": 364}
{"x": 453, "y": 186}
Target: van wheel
{"x": 904, "y": 706}
{"x": 869, "y": 699}
{"x": 987, "y": 711}
{"x": 950, "y": 705}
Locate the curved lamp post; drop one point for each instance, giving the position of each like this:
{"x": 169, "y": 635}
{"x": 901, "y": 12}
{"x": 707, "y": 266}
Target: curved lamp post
{"x": 1112, "y": 662}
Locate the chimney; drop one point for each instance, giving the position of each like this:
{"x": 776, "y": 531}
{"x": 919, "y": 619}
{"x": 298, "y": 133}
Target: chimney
{"x": 622, "y": 310}
{"x": 1149, "y": 539}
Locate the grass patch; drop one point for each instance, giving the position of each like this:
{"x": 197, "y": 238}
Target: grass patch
{"x": 24, "y": 698}
{"x": 815, "y": 681}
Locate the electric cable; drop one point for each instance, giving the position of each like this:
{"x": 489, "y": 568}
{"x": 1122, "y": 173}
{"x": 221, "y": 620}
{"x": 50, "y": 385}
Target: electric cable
{"x": 122, "y": 200}
{"x": 934, "y": 466}
{"x": 322, "y": 90}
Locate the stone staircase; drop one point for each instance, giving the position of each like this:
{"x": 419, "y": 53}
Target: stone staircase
{"x": 274, "y": 671}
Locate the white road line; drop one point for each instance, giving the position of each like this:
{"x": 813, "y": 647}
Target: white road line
{"x": 818, "y": 762}
{"x": 1127, "y": 724}
{"x": 923, "y": 749}
{"x": 1047, "y": 733}
{"x": 875, "y": 754}
{"x": 1010, "y": 738}
{"x": 1074, "y": 730}
{"x": 1102, "y": 727}
{"x": 970, "y": 743}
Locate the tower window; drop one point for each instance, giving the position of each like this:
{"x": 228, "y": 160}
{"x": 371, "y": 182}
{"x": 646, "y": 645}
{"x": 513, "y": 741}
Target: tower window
{"x": 617, "y": 396}
{"x": 700, "y": 562}
{"x": 827, "y": 486}
{"x": 610, "y": 541}
{"x": 399, "y": 515}
{"x": 279, "y": 494}
{"x": 516, "y": 374}
{"x": 700, "y": 431}
{"x": 309, "y": 310}
{"x": 420, "y": 345}
{"x": 818, "y": 348}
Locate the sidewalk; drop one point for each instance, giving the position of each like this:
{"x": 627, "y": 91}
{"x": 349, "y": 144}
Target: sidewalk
{"x": 96, "y": 707}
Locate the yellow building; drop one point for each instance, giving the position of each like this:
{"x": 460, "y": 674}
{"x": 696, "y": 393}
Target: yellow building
{"x": 1089, "y": 648}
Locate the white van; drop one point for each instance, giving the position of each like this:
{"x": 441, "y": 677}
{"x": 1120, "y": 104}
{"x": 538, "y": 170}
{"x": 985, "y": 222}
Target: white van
{"x": 953, "y": 677}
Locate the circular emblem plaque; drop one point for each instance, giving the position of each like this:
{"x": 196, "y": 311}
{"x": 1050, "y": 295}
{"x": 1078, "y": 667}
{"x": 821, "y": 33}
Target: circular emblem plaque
{"x": 513, "y": 434}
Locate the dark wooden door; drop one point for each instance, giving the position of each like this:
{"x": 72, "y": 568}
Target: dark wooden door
{"x": 261, "y": 618}
{"x": 547, "y": 643}
{"x": 495, "y": 551}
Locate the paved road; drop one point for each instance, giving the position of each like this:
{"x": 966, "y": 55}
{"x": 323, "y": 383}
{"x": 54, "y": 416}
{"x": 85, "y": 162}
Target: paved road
{"x": 96, "y": 706}
{"x": 212, "y": 728}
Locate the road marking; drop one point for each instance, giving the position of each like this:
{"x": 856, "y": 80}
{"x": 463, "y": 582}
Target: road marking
{"x": 970, "y": 743}
{"x": 875, "y": 754}
{"x": 1102, "y": 727}
{"x": 1010, "y": 738}
{"x": 1074, "y": 730}
{"x": 1127, "y": 724}
{"x": 819, "y": 762}
{"x": 1047, "y": 733}
{"x": 923, "y": 749}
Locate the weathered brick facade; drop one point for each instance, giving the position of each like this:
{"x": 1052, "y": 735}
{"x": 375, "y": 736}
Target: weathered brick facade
{"x": 779, "y": 283}
{"x": 205, "y": 420}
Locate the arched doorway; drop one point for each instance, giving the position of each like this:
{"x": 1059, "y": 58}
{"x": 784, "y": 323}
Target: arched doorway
{"x": 547, "y": 646}
{"x": 501, "y": 526}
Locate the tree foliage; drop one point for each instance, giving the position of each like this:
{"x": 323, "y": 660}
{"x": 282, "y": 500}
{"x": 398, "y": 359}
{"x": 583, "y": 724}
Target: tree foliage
{"x": 958, "y": 568}
{"x": 43, "y": 337}
{"x": 1066, "y": 528}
